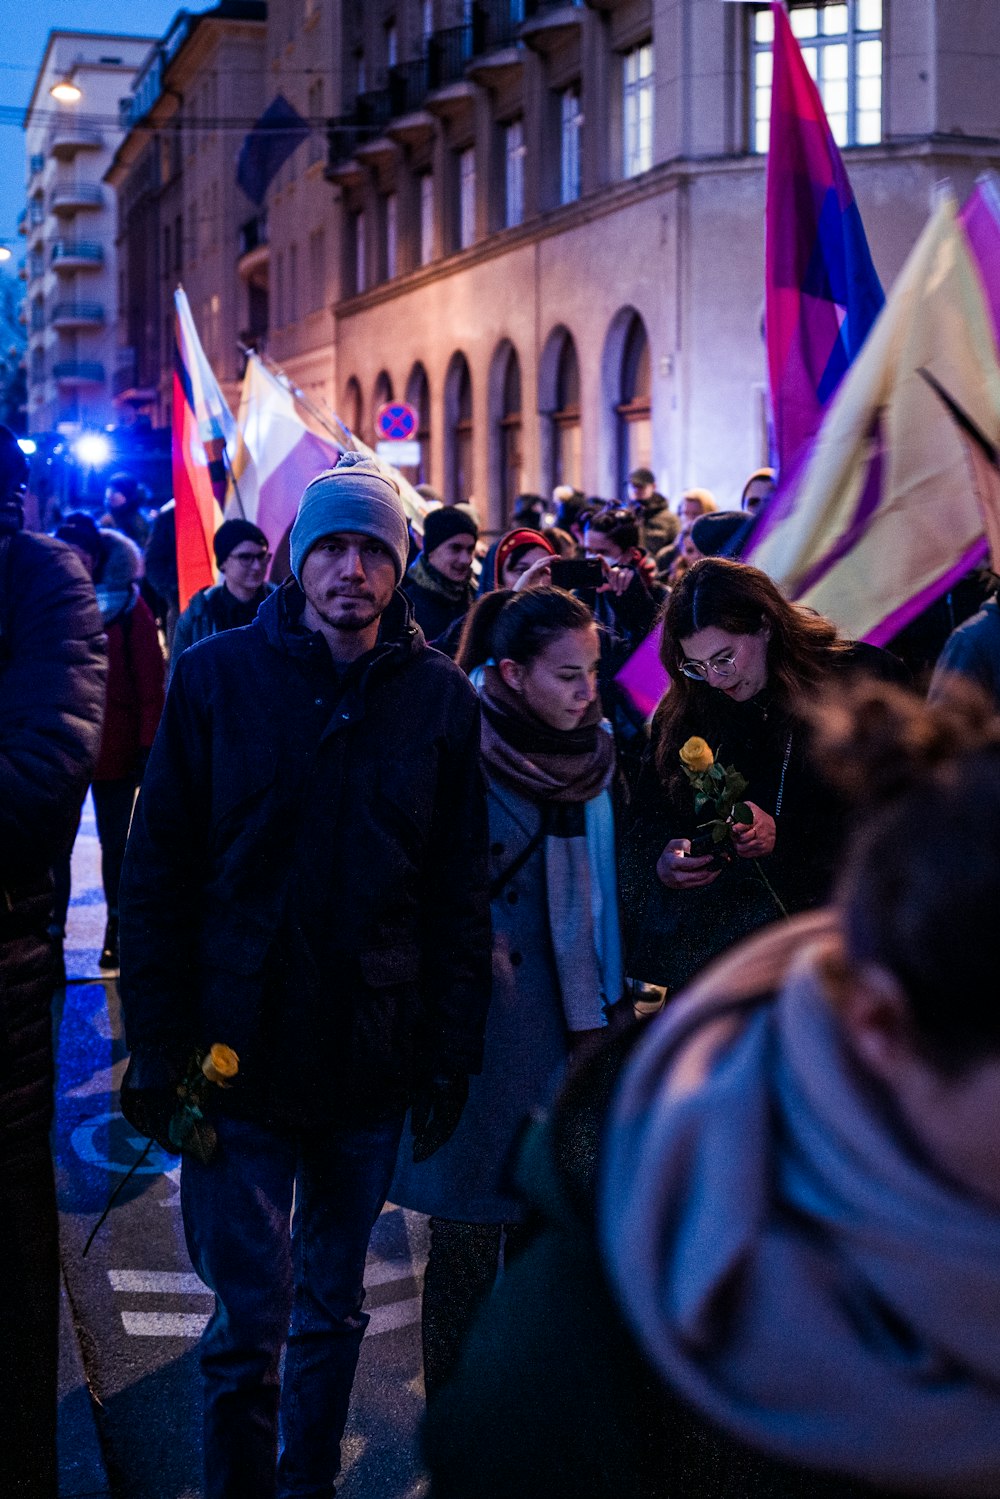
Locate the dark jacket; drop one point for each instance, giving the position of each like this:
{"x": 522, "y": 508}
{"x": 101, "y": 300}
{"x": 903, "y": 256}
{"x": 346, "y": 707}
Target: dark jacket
{"x": 625, "y": 620}
{"x": 435, "y": 609}
{"x": 134, "y": 694}
{"x": 52, "y": 674}
{"x": 972, "y": 651}
{"x": 554, "y": 1398}
{"x": 672, "y": 934}
{"x": 306, "y": 875}
{"x": 658, "y": 525}
{"x": 210, "y": 611}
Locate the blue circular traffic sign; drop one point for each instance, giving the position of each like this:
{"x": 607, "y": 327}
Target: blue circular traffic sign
{"x": 396, "y": 421}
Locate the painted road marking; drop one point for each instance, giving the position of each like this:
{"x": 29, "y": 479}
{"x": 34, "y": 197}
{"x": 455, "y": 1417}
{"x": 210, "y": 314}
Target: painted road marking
{"x": 387, "y": 1318}
{"x": 158, "y": 1282}
{"x": 165, "y": 1324}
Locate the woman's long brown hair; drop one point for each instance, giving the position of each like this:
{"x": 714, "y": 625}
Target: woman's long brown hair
{"x": 732, "y": 596}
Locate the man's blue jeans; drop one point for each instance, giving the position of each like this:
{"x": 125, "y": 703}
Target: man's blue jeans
{"x": 274, "y": 1283}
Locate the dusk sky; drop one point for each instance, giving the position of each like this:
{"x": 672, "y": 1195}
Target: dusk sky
{"x": 26, "y": 25}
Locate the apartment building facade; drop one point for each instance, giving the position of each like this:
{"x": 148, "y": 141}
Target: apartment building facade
{"x": 181, "y": 212}
{"x": 70, "y": 265}
{"x": 552, "y": 217}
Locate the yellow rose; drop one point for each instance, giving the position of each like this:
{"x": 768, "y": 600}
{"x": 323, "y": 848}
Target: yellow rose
{"x": 221, "y": 1064}
{"x": 696, "y": 755}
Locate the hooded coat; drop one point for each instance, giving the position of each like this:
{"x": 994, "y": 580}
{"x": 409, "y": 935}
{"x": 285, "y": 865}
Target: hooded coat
{"x": 717, "y": 1306}
{"x": 52, "y": 675}
{"x": 305, "y": 879}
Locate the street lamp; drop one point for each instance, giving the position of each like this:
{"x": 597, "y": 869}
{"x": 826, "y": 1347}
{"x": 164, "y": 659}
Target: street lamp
{"x": 66, "y": 91}
{"x": 5, "y": 253}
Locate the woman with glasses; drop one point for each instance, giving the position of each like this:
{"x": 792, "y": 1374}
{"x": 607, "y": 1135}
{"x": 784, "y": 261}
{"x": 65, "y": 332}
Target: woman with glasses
{"x": 744, "y": 664}
{"x": 243, "y": 557}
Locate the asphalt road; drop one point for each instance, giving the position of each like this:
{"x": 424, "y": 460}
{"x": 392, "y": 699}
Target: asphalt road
{"x": 138, "y": 1306}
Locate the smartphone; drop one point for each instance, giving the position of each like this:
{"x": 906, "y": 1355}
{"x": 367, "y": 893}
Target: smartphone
{"x": 704, "y": 844}
{"x": 570, "y": 573}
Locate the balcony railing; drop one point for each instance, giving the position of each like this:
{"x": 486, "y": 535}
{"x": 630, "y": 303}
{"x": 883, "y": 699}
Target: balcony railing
{"x": 69, "y": 196}
{"x": 77, "y": 314}
{"x": 448, "y": 55}
{"x": 495, "y": 24}
{"x": 535, "y": 8}
{"x": 22, "y": 221}
{"x": 68, "y": 138}
{"x": 78, "y": 372}
{"x": 81, "y": 252}
{"x": 408, "y": 86}
{"x": 253, "y": 234}
{"x": 36, "y": 164}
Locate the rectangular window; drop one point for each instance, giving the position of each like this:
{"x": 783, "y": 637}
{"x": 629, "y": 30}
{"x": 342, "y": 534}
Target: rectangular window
{"x": 841, "y": 43}
{"x": 360, "y": 230}
{"x": 426, "y": 218}
{"x": 316, "y": 120}
{"x": 391, "y": 45}
{"x": 293, "y": 283}
{"x": 514, "y": 152}
{"x": 637, "y": 100}
{"x": 571, "y": 123}
{"x": 360, "y": 75}
{"x": 391, "y": 235}
{"x": 427, "y": 22}
{"x": 317, "y": 270}
{"x": 466, "y": 197}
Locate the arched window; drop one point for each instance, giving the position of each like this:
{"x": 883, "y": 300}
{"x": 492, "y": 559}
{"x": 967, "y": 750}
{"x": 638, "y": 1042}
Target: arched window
{"x": 381, "y": 396}
{"x": 566, "y": 417}
{"x": 353, "y": 406}
{"x": 633, "y": 408}
{"x": 509, "y": 444}
{"x": 458, "y": 417}
{"x": 559, "y": 408}
{"x": 418, "y": 394}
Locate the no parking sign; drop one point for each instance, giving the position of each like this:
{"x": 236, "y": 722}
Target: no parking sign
{"x": 396, "y": 430}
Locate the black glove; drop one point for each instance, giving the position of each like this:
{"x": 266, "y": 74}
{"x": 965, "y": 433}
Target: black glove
{"x": 149, "y": 1109}
{"x": 437, "y": 1108}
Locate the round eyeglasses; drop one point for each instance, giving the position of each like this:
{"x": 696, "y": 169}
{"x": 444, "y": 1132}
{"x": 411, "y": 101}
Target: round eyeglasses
{"x": 721, "y": 665}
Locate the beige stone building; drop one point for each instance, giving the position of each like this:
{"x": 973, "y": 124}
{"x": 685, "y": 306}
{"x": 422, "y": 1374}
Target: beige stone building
{"x": 182, "y": 218}
{"x": 541, "y": 222}
{"x": 70, "y": 263}
{"x": 552, "y": 217}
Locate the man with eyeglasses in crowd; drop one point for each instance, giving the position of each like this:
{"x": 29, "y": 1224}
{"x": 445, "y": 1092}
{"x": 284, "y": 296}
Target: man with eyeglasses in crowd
{"x": 242, "y": 557}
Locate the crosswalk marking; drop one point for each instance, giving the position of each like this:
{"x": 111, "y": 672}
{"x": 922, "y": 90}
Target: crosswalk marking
{"x": 169, "y": 1282}
{"x": 165, "y": 1324}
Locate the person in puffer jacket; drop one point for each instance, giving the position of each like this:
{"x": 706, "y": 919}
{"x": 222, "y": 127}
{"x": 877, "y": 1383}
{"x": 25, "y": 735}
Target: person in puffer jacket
{"x": 52, "y": 675}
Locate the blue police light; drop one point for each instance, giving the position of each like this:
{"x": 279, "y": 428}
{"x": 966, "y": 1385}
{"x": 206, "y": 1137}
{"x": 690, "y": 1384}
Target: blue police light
{"x": 27, "y": 446}
{"x": 92, "y": 450}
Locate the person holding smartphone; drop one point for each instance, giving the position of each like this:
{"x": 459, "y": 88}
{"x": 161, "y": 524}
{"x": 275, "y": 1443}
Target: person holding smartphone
{"x": 743, "y": 665}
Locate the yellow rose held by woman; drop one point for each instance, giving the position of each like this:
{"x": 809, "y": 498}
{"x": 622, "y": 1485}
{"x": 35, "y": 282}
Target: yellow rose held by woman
{"x": 696, "y": 755}
{"x": 221, "y": 1064}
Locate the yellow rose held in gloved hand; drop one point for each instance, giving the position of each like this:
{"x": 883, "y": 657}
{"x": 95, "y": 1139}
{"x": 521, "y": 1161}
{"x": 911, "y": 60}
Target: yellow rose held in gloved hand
{"x": 221, "y": 1064}
{"x": 696, "y": 755}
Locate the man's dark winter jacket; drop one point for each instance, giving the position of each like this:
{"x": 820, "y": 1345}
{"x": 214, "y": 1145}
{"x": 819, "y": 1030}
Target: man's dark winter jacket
{"x": 306, "y": 875}
{"x": 211, "y": 611}
{"x": 52, "y": 674}
{"x": 438, "y": 607}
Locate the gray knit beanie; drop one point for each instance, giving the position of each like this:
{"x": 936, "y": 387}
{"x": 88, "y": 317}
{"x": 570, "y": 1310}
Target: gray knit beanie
{"x": 354, "y": 496}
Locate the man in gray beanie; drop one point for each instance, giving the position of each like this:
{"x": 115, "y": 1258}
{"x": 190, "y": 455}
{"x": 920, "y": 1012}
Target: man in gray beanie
{"x": 305, "y": 883}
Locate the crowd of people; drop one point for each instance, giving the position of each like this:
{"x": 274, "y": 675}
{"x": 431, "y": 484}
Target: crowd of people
{"x": 410, "y": 866}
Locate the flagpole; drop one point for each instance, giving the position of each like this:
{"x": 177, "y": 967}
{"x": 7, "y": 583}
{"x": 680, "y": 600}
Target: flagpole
{"x": 232, "y": 479}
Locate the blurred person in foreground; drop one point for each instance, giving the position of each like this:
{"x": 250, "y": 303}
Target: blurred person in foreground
{"x": 52, "y": 674}
{"x": 305, "y": 884}
{"x": 776, "y": 1272}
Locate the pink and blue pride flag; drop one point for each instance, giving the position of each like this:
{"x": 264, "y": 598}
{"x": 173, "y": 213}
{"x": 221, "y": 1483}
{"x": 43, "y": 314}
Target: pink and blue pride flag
{"x": 822, "y": 291}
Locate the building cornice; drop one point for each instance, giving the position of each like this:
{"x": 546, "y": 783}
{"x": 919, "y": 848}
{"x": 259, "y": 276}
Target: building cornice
{"x": 666, "y": 177}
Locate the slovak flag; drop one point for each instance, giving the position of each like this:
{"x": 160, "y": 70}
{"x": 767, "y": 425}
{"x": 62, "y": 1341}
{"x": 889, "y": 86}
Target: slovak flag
{"x": 822, "y": 291}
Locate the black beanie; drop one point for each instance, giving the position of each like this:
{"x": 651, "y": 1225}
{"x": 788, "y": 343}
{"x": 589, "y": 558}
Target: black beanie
{"x": 80, "y": 530}
{"x": 231, "y": 533}
{"x": 441, "y": 525}
{"x": 720, "y": 533}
